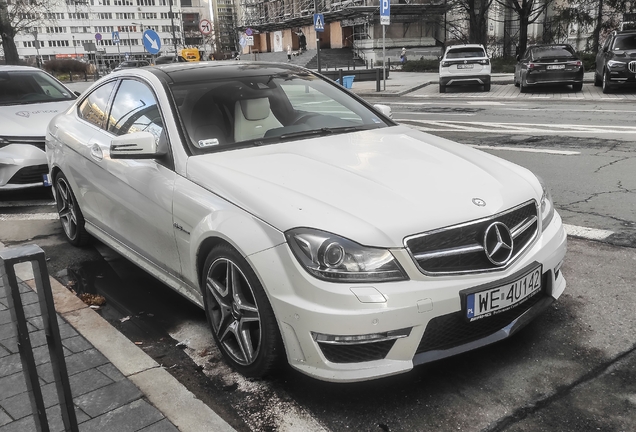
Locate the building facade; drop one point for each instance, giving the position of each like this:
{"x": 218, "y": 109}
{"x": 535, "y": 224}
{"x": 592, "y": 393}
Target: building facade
{"x": 113, "y": 29}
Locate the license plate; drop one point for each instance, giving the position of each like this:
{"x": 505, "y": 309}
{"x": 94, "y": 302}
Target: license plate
{"x": 503, "y": 298}
{"x": 551, "y": 67}
{"x": 465, "y": 66}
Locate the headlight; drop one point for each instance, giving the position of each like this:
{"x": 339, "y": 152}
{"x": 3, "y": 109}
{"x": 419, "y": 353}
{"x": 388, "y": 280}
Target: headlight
{"x": 546, "y": 207}
{"x": 336, "y": 259}
{"x": 615, "y": 64}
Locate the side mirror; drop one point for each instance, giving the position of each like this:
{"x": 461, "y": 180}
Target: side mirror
{"x": 138, "y": 145}
{"x": 384, "y": 109}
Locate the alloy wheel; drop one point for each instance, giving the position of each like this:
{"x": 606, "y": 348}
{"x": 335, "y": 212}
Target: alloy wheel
{"x": 233, "y": 311}
{"x": 66, "y": 208}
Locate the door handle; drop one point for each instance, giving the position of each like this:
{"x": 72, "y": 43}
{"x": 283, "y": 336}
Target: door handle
{"x": 96, "y": 152}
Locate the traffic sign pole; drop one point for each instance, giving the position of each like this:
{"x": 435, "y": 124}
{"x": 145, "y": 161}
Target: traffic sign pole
{"x": 385, "y": 20}
{"x": 317, "y": 37}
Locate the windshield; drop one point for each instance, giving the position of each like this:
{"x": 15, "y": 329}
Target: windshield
{"x": 625, "y": 42}
{"x": 29, "y": 87}
{"x": 465, "y": 53}
{"x": 257, "y": 110}
{"x": 551, "y": 52}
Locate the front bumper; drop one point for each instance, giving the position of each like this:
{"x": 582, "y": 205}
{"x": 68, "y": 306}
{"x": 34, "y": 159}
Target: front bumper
{"x": 354, "y": 332}
{"x": 22, "y": 166}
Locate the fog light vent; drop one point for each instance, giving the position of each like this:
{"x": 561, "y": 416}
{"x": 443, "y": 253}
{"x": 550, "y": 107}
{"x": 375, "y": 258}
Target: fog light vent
{"x": 357, "y": 353}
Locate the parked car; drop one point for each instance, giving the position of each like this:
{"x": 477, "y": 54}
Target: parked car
{"x": 29, "y": 99}
{"x": 550, "y": 64}
{"x": 128, "y": 64}
{"x": 169, "y": 59}
{"x": 309, "y": 226}
{"x": 464, "y": 64}
{"x": 616, "y": 61}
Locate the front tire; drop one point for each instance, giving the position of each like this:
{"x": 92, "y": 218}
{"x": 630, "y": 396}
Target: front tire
{"x": 239, "y": 314}
{"x": 71, "y": 216}
{"x": 607, "y": 88}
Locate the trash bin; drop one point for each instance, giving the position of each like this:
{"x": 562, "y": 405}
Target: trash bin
{"x": 347, "y": 81}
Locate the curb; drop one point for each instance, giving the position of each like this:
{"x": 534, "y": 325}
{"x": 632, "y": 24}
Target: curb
{"x": 164, "y": 391}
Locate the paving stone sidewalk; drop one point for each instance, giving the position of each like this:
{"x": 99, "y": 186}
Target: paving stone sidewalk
{"x": 104, "y": 399}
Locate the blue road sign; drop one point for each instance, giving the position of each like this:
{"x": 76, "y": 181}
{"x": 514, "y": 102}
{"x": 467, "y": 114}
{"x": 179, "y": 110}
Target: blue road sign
{"x": 319, "y": 22}
{"x": 385, "y": 12}
{"x": 249, "y": 31}
{"x": 115, "y": 37}
{"x": 152, "y": 41}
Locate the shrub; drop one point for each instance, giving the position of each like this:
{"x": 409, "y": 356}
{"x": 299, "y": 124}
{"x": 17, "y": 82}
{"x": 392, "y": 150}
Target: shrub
{"x": 589, "y": 61}
{"x": 65, "y": 66}
{"x": 503, "y": 64}
{"x": 421, "y": 66}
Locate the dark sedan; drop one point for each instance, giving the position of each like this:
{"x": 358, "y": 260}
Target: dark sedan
{"x": 549, "y": 64}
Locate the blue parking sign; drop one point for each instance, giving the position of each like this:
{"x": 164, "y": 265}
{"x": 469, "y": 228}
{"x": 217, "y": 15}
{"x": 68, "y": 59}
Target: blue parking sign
{"x": 385, "y": 12}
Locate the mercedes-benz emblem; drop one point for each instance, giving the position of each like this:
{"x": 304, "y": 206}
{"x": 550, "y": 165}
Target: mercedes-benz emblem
{"x": 479, "y": 202}
{"x": 498, "y": 243}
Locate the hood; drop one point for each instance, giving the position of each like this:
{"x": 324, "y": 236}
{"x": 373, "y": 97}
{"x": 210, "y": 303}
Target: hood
{"x": 374, "y": 187}
{"x": 29, "y": 119}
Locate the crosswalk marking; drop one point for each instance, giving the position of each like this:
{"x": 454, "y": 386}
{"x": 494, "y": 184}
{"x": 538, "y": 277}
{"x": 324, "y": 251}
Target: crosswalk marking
{"x": 527, "y": 150}
{"x": 28, "y": 216}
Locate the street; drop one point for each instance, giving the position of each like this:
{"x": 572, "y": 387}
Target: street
{"x": 573, "y": 369}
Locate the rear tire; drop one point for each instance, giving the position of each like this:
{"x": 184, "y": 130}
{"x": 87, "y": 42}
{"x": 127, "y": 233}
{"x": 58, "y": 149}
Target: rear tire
{"x": 239, "y": 314}
{"x": 71, "y": 216}
{"x": 577, "y": 87}
{"x": 442, "y": 88}
{"x": 522, "y": 88}
{"x": 515, "y": 81}
{"x": 487, "y": 86}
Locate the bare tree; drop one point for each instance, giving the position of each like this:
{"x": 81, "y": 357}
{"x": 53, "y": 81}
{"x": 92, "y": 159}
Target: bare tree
{"x": 528, "y": 11}
{"x": 19, "y": 16}
{"x": 476, "y": 13}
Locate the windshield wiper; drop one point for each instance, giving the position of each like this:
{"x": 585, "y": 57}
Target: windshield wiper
{"x": 327, "y": 131}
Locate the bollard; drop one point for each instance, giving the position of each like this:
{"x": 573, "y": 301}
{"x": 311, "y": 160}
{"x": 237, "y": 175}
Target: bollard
{"x": 388, "y": 62}
{"x": 33, "y": 254}
{"x": 377, "y": 79}
{"x": 340, "y": 77}
{"x": 70, "y": 75}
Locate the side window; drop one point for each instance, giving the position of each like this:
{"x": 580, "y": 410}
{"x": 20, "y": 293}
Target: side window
{"x": 134, "y": 110}
{"x": 93, "y": 108}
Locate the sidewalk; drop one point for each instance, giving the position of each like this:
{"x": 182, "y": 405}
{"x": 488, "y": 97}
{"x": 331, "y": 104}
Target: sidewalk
{"x": 116, "y": 386}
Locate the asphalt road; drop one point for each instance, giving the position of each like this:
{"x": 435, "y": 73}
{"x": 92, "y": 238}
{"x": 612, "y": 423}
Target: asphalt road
{"x": 571, "y": 370}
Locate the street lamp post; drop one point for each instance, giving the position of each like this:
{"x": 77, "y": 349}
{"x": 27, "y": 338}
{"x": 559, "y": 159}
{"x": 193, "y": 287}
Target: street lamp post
{"x": 174, "y": 37}
{"x": 75, "y": 47}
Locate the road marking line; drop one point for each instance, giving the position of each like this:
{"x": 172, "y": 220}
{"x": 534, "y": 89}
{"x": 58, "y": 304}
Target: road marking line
{"x": 526, "y": 149}
{"x": 29, "y": 216}
{"x": 484, "y": 103}
{"x": 436, "y": 113}
{"x": 587, "y": 233}
{"x": 27, "y": 204}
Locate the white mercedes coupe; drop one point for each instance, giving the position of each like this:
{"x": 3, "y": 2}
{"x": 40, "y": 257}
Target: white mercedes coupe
{"x": 309, "y": 226}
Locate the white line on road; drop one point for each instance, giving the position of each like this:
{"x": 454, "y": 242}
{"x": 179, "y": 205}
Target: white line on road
{"x": 437, "y": 113}
{"x": 528, "y": 150}
{"x": 26, "y": 204}
{"x": 587, "y": 233}
{"x": 28, "y": 216}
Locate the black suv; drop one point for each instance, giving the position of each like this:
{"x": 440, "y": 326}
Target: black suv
{"x": 616, "y": 61}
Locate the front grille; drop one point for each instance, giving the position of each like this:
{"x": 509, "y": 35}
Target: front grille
{"x": 28, "y": 175}
{"x": 632, "y": 66}
{"x": 355, "y": 353}
{"x": 452, "y": 330}
{"x": 460, "y": 248}
{"x": 34, "y": 141}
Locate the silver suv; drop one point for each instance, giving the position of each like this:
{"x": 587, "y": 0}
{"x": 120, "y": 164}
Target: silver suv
{"x": 464, "y": 64}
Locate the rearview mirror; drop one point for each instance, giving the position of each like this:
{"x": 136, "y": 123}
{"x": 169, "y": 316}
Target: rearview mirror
{"x": 384, "y": 109}
{"x": 138, "y": 145}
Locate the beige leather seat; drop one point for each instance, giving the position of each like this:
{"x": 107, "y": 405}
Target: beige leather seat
{"x": 252, "y": 118}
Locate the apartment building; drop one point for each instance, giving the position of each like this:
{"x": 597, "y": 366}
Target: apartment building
{"x": 67, "y": 29}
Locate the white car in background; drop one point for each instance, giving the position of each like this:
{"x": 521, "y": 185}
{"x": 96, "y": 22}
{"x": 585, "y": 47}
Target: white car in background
{"x": 29, "y": 99}
{"x": 464, "y": 65}
{"x": 310, "y": 227}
